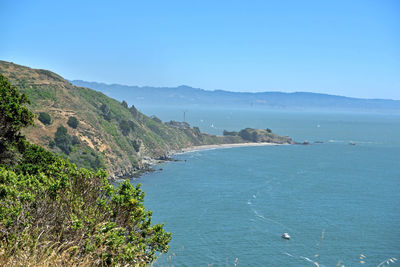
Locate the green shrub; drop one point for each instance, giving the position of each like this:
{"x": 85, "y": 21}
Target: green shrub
{"x": 135, "y": 113}
{"x": 125, "y": 127}
{"x": 85, "y": 157}
{"x": 73, "y": 122}
{"x": 47, "y": 200}
{"x": 249, "y": 134}
{"x": 196, "y": 131}
{"x": 52, "y": 144}
{"x": 254, "y": 136}
{"x": 13, "y": 116}
{"x": 44, "y": 118}
{"x": 124, "y": 104}
{"x": 227, "y": 133}
{"x": 63, "y": 140}
{"x": 106, "y": 112}
{"x": 75, "y": 140}
{"x": 131, "y": 125}
{"x": 136, "y": 145}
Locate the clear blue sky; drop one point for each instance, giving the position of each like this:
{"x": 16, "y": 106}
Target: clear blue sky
{"x": 349, "y": 48}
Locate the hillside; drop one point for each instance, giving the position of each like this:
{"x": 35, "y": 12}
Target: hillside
{"x": 188, "y": 96}
{"x": 94, "y": 131}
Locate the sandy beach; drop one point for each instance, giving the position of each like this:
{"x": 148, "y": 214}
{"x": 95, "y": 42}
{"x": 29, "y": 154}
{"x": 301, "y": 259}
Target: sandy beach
{"x": 207, "y": 147}
{"x": 151, "y": 161}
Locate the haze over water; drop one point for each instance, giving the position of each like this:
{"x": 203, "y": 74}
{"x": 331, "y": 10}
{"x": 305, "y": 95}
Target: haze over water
{"x": 233, "y": 203}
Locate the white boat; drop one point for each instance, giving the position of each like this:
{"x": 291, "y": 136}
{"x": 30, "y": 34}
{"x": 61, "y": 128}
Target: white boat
{"x": 285, "y": 236}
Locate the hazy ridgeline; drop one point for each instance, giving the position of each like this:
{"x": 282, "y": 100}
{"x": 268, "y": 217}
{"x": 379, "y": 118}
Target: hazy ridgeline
{"x": 195, "y": 97}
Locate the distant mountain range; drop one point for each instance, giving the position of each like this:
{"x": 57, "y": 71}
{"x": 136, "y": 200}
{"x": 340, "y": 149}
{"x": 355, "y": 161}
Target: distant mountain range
{"x": 188, "y": 96}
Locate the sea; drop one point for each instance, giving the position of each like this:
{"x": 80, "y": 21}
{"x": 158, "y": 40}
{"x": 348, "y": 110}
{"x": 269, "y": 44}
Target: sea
{"x": 338, "y": 198}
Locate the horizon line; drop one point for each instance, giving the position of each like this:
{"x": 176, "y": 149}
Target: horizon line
{"x": 238, "y": 92}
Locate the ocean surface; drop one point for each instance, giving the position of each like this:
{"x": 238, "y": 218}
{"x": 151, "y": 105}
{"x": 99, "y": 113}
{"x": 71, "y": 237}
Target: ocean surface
{"x": 340, "y": 203}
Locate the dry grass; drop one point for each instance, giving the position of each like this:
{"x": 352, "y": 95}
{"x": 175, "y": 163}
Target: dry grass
{"x": 45, "y": 255}
{"x": 48, "y": 254}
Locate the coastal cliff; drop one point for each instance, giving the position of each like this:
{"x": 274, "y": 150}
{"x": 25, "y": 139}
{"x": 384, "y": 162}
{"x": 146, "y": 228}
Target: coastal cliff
{"x": 95, "y": 131}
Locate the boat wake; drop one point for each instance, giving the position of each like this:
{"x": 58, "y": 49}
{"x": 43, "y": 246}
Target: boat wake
{"x": 337, "y": 141}
{"x": 263, "y": 218}
{"x": 303, "y": 258}
{"x": 355, "y": 142}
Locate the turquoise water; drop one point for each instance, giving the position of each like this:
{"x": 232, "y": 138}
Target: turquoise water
{"x": 227, "y": 205}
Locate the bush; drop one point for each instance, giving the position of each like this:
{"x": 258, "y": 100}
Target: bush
{"x": 254, "y": 136}
{"x": 44, "y": 118}
{"x": 106, "y": 112}
{"x": 73, "y": 122}
{"x": 47, "y": 200}
{"x": 136, "y": 145}
{"x": 85, "y": 157}
{"x": 52, "y": 144}
{"x": 248, "y": 135}
{"x": 135, "y": 113}
{"x": 63, "y": 140}
{"x": 131, "y": 125}
{"x": 124, "y": 104}
{"x": 75, "y": 140}
{"x": 13, "y": 116}
{"x": 196, "y": 131}
{"x": 125, "y": 127}
{"x": 227, "y": 133}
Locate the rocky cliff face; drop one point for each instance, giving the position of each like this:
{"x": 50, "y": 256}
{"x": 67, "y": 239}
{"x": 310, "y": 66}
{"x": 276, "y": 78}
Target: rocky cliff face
{"x": 108, "y": 134}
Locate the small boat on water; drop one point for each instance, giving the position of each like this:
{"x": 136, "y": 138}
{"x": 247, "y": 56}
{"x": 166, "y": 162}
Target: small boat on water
{"x": 286, "y": 236}
{"x": 352, "y": 143}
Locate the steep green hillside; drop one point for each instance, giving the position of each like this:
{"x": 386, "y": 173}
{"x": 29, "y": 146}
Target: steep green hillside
{"x": 55, "y": 214}
{"x": 93, "y": 130}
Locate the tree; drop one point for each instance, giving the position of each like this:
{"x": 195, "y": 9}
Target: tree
{"x": 254, "y": 136}
{"x": 134, "y": 112}
{"x": 44, "y": 118}
{"x": 13, "y": 116}
{"x": 124, "y": 104}
{"x": 75, "y": 140}
{"x": 125, "y": 127}
{"x": 196, "y": 131}
{"x": 226, "y": 133}
{"x": 245, "y": 134}
{"x": 73, "y": 122}
{"x": 136, "y": 145}
{"x": 63, "y": 140}
{"x": 106, "y": 112}
{"x": 131, "y": 125}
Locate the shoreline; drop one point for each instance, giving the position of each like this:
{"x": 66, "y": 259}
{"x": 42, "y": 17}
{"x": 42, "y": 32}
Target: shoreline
{"x": 218, "y": 146}
{"x": 150, "y": 162}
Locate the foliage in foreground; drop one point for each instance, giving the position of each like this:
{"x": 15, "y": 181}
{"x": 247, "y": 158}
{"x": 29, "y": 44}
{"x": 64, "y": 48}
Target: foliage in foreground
{"x": 52, "y": 212}
{"x": 13, "y": 116}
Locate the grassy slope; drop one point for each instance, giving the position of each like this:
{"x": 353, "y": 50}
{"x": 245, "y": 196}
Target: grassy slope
{"x": 102, "y": 142}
